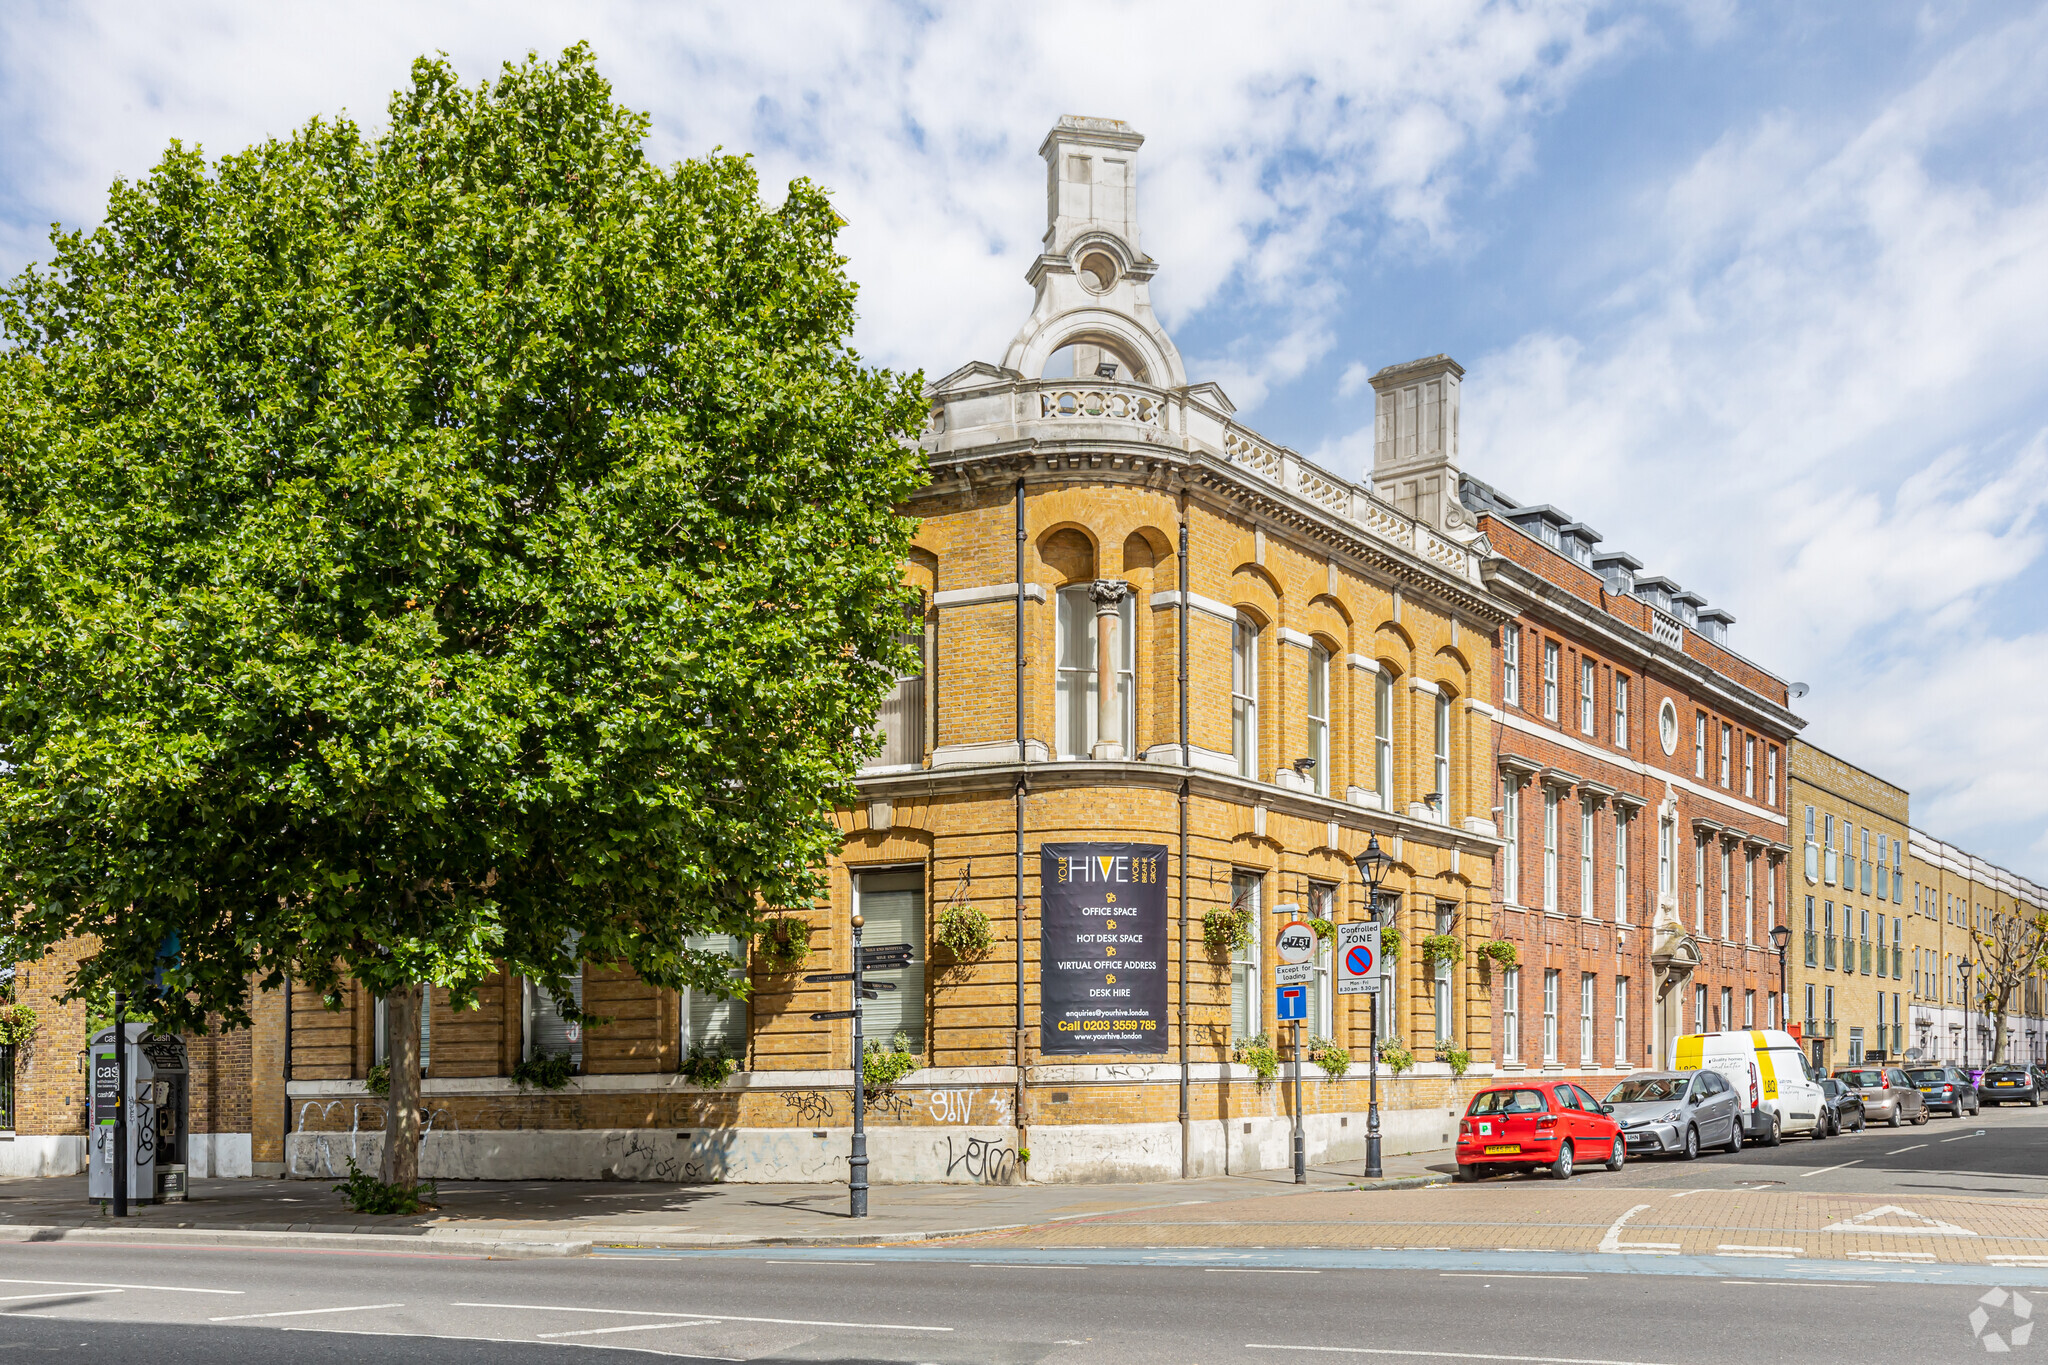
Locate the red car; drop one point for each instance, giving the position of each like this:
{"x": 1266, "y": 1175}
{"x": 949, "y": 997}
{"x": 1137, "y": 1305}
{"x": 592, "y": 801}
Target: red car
{"x": 1537, "y": 1123}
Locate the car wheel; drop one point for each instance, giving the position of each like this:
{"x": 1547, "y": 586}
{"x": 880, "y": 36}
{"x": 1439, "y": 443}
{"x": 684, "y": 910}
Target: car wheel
{"x": 1561, "y": 1169}
{"x": 1618, "y": 1157}
{"x": 1895, "y": 1116}
{"x": 1772, "y": 1137}
{"x": 1820, "y": 1125}
{"x": 1734, "y": 1137}
{"x": 1920, "y": 1119}
{"x": 1464, "y": 1174}
{"x": 2034, "y": 1103}
{"x": 1692, "y": 1143}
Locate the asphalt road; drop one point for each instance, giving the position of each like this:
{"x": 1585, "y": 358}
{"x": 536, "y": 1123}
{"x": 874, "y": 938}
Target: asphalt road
{"x": 228, "y": 1307}
{"x": 2003, "y": 1154}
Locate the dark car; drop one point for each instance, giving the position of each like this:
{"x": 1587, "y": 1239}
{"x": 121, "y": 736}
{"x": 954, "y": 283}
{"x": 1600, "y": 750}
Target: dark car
{"x": 1947, "y": 1088}
{"x": 2010, "y": 1083}
{"x": 1844, "y": 1105}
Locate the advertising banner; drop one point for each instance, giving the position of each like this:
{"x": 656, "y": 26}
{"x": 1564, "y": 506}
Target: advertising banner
{"x": 1102, "y": 949}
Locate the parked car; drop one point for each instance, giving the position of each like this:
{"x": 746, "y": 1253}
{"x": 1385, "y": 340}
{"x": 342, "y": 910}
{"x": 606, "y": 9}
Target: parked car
{"x": 2010, "y": 1082}
{"x": 1887, "y": 1093}
{"x": 1947, "y": 1088}
{"x": 1676, "y": 1111}
{"x": 1775, "y": 1088}
{"x": 1844, "y": 1106}
{"x": 1546, "y": 1124}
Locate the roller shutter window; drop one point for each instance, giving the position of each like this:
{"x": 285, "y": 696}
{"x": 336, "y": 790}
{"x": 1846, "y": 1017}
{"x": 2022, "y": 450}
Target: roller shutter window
{"x": 715, "y": 1023}
{"x": 891, "y": 904}
{"x": 547, "y": 1033}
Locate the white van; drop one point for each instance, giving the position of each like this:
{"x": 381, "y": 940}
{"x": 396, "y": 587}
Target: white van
{"x": 1778, "y": 1092}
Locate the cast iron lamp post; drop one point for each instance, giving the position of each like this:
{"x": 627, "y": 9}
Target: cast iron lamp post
{"x": 1968, "y": 981}
{"x": 1372, "y": 866}
{"x": 1781, "y": 936}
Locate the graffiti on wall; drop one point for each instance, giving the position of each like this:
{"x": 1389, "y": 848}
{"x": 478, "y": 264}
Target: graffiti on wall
{"x": 322, "y": 1141}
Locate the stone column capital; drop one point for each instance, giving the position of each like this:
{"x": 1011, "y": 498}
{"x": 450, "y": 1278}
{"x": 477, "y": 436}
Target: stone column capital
{"x": 1108, "y": 593}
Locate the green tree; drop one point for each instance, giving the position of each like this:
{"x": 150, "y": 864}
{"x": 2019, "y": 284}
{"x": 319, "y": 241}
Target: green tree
{"x": 467, "y": 542}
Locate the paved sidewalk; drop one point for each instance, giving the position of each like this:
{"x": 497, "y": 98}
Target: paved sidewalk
{"x": 567, "y": 1218}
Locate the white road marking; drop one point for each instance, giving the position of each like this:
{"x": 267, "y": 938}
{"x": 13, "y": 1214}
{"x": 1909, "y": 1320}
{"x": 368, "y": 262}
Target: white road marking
{"x": 629, "y": 1327}
{"x": 1921, "y": 1225}
{"x": 509, "y": 1341}
{"x": 716, "y": 1317}
{"x": 306, "y": 1312}
{"x": 1817, "y": 1284}
{"x": 1686, "y": 1192}
{"x": 96, "y": 1284}
{"x": 1253, "y": 1270}
{"x": 1482, "y": 1275}
{"x": 1915, "y": 1257}
{"x": 1775, "y": 1253}
{"x": 1808, "y": 1175}
{"x": 13, "y": 1297}
{"x": 2018, "y": 1261}
{"x": 768, "y": 1260}
{"x": 1442, "y": 1355}
{"x": 1612, "y": 1241}
{"x": 1914, "y": 1148}
{"x": 1964, "y": 1137}
{"x": 1020, "y": 1265}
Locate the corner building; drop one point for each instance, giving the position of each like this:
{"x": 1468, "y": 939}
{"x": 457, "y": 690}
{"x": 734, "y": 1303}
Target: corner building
{"x": 1149, "y": 634}
{"x": 1640, "y": 775}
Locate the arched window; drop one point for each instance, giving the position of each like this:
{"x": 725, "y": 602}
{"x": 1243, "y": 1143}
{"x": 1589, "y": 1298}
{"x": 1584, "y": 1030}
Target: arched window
{"x": 1318, "y": 713}
{"x": 1244, "y": 697}
{"x": 1075, "y": 685}
{"x": 1442, "y": 768}
{"x": 1383, "y": 737}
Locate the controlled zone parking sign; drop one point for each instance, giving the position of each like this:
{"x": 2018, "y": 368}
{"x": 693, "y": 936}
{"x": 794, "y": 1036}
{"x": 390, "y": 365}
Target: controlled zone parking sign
{"x": 1359, "y": 966}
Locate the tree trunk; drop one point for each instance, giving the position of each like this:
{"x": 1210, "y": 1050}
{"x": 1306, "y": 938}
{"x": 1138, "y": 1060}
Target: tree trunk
{"x": 402, "y": 1115}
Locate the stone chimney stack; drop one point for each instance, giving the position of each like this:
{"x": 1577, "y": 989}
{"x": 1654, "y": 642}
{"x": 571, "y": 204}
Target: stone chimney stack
{"x": 1415, "y": 440}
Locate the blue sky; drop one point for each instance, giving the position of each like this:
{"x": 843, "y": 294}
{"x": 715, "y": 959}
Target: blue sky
{"x": 1757, "y": 290}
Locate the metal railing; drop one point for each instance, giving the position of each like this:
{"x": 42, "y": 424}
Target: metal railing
{"x": 1866, "y": 957}
{"x": 1898, "y": 971}
{"x": 1812, "y": 948}
{"x": 1829, "y": 945}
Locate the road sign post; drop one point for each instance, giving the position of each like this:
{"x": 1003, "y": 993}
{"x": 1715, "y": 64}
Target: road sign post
{"x": 1361, "y": 970}
{"x": 1297, "y": 952}
{"x": 857, "y": 1159}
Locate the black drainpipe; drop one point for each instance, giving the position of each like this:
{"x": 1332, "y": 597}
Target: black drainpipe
{"x": 1186, "y": 1153}
{"x": 1023, "y": 1133}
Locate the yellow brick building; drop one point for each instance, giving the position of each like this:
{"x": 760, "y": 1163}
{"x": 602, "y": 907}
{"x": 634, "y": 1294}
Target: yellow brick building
{"x": 1853, "y": 930}
{"x": 1956, "y": 898}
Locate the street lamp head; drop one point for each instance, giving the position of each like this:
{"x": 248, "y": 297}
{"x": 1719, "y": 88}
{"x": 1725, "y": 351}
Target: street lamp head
{"x": 1373, "y": 863}
{"x": 1781, "y": 935}
{"x": 857, "y": 919}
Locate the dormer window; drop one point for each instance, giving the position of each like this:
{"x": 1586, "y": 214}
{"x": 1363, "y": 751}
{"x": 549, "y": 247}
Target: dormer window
{"x": 1547, "y": 533}
{"x": 1620, "y": 581}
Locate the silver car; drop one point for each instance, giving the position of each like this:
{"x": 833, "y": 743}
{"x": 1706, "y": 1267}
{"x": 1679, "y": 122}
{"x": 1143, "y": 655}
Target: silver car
{"x": 1888, "y": 1097}
{"x": 1676, "y": 1111}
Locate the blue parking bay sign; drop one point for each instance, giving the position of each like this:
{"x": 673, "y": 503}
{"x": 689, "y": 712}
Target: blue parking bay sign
{"x": 1292, "y": 1002}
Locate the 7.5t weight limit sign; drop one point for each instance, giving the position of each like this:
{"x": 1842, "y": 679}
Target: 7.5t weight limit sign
{"x": 1359, "y": 965}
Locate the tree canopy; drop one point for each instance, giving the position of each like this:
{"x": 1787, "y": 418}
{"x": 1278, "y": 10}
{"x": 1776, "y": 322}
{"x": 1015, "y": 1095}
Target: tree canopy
{"x": 419, "y": 545}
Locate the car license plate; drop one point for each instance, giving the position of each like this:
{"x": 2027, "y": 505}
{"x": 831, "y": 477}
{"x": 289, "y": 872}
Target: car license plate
{"x": 1503, "y": 1149}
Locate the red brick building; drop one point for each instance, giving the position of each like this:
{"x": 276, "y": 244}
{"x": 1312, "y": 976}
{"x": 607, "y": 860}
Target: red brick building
{"x": 1642, "y": 792}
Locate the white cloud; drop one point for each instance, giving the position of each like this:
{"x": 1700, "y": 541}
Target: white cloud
{"x": 1820, "y": 405}
{"x": 1270, "y": 131}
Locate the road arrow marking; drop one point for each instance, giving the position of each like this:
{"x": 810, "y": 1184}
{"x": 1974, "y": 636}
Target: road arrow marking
{"x": 1612, "y": 1241}
{"x": 1920, "y": 1226}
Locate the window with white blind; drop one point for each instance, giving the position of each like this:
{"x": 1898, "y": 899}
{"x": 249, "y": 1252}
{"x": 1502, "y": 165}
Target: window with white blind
{"x": 1749, "y": 765}
{"x": 1699, "y": 745}
{"x": 901, "y": 717}
{"x": 1244, "y": 697}
{"x": 1621, "y": 710}
{"x": 1621, "y": 823}
{"x": 1727, "y": 882}
{"x": 1549, "y": 848}
{"x": 1383, "y": 738}
{"x": 709, "y": 1021}
{"x": 1511, "y": 1015}
{"x": 1246, "y": 989}
{"x": 1442, "y": 764}
{"x": 1748, "y": 897}
{"x": 1317, "y": 714}
{"x": 1586, "y": 1006}
{"x": 1621, "y": 1021}
{"x": 1511, "y": 665}
{"x": 1586, "y": 843}
{"x": 1550, "y": 667}
{"x": 1511, "y": 837}
{"x": 1771, "y": 777}
{"x": 1550, "y": 977}
{"x": 1588, "y": 676}
{"x": 890, "y": 903}
{"x": 1727, "y": 750}
{"x": 1699, "y": 886}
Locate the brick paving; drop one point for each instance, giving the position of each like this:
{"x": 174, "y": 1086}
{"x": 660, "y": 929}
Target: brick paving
{"x": 1737, "y": 1224}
